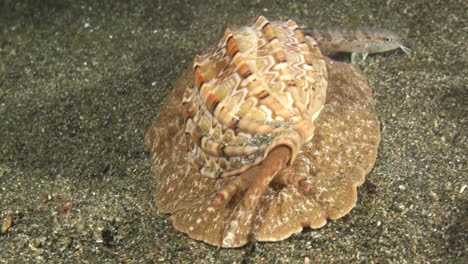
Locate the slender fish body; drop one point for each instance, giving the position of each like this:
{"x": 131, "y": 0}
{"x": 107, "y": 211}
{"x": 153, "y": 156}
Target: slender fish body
{"x": 358, "y": 42}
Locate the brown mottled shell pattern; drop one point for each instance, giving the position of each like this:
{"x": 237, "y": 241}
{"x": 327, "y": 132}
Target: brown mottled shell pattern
{"x": 260, "y": 87}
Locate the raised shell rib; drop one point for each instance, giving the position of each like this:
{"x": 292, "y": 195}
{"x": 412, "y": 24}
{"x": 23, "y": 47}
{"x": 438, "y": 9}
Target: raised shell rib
{"x": 260, "y": 87}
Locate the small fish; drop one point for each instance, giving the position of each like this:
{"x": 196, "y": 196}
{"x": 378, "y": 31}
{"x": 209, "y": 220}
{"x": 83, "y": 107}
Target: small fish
{"x": 359, "y": 42}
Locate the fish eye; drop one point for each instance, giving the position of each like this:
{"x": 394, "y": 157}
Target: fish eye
{"x": 388, "y": 39}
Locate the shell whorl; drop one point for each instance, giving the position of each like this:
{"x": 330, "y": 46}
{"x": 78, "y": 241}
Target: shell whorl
{"x": 260, "y": 87}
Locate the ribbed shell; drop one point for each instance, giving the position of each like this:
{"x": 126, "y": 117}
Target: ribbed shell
{"x": 260, "y": 87}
